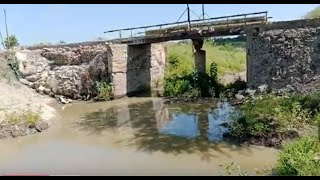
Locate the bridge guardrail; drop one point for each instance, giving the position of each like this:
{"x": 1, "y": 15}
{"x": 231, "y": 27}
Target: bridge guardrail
{"x": 152, "y": 29}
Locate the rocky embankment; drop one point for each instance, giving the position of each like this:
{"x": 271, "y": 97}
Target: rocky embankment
{"x": 64, "y": 73}
{"x": 17, "y": 99}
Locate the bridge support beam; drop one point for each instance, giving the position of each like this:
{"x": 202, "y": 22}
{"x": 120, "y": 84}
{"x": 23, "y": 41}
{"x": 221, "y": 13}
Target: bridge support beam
{"x": 199, "y": 55}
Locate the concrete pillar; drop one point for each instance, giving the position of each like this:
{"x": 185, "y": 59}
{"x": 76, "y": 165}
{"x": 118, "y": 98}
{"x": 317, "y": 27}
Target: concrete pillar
{"x": 200, "y": 61}
{"x": 136, "y": 68}
{"x": 117, "y": 68}
{"x": 199, "y": 55}
{"x": 249, "y": 33}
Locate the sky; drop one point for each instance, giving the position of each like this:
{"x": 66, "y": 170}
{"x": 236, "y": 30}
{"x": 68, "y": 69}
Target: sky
{"x": 41, "y": 23}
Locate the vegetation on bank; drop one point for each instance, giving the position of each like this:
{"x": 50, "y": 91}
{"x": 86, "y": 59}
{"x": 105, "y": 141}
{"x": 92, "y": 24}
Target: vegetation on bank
{"x": 271, "y": 113}
{"x": 279, "y": 115}
{"x": 104, "y": 91}
{"x": 300, "y": 158}
{"x": 27, "y": 116}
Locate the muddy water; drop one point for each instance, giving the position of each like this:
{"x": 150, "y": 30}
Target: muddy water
{"x": 133, "y": 136}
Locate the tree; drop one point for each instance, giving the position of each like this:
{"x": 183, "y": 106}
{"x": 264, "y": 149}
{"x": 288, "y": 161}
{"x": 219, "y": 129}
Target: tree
{"x": 12, "y": 41}
{"x": 315, "y": 13}
{"x": 61, "y": 42}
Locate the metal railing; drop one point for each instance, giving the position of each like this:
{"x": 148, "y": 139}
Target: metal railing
{"x": 141, "y": 31}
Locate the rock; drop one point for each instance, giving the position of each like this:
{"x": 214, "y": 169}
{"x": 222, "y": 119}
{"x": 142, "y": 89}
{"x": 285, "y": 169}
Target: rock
{"x": 24, "y": 81}
{"x": 290, "y": 88}
{"x": 41, "y": 126}
{"x": 63, "y": 100}
{"x": 16, "y": 132}
{"x": 40, "y": 89}
{"x": 242, "y": 92}
{"x": 291, "y": 134}
{"x": 286, "y": 89}
{"x": 239, "y": 97}
{"x": 44, "y": 75}
{"x": 47, "y": 91}
{"x": 22, "y": 127}
{"x": 33, "y": 78}
{"x": 51, "y": 94}
{"x": 5, "y": 134}
{"x": 250, "y": 92}
{"x": 263, "y": 88}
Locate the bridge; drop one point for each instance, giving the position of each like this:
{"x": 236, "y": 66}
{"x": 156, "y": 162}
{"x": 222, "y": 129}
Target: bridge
{"x": 190, "y": 29}
{"x": 139, "y": 54}
{"x": 136, "y": 58}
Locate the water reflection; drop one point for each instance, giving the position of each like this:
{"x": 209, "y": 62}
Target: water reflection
{"x": 182, "y": 125}
{"x": 153, "y": 126}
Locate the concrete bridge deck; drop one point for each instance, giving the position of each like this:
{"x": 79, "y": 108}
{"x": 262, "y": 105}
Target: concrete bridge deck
{"x": 195, "y": 29}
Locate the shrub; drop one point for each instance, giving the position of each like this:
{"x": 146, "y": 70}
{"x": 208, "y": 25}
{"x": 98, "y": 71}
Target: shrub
{"x": 104, "y": 91}
{"x": 193, "y": 84}
{"x": 13, "y": 63}
{"x": 11, "y": 42}
{"x": 300, "y": 158}
{"x": 61, "y": 42}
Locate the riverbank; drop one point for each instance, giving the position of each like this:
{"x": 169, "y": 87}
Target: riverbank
{"x": 22, "y": 110}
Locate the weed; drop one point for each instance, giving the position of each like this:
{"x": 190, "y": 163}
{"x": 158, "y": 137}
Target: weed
{"x": 301, "y": 158}
{"x": 27, "y": 116}
{"x": 230, "y": 169}
{"x": 104, "y": 91}
{"x": 14, "y": 64}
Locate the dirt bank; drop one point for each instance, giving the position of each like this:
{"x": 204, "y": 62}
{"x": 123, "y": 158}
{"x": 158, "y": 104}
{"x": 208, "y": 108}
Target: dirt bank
{"x": 17, "y": 99}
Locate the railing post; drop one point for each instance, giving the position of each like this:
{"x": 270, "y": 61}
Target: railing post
{"x": 245, "y": 19}
{"x": 120, "y": 34}
{"x": 131, "y": 32}
{"x": 227, "y": 22}
{"x": 266, "y": 16}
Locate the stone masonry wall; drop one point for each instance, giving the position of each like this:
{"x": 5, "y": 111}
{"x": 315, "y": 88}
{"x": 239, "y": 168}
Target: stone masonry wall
{"x": 72, "y": 71}
{"x": 66, "y": 71}
{"x": 285, "y": 54}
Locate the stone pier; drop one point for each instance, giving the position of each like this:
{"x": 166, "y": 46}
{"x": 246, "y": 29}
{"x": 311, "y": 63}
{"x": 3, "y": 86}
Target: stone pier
{"x": 136, "y": 68}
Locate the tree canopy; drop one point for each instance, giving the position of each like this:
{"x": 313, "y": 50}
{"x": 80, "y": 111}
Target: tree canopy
{"x": 315, "y": 13}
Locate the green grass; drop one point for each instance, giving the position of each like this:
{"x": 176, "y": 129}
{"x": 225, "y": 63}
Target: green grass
{"x": 227, "y": 57}
{"x": 300, "y": 158}
{"x": 27, "y": 116}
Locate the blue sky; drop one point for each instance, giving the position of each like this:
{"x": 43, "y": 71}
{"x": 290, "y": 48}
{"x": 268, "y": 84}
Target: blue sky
{"x": 33, "y": 23}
